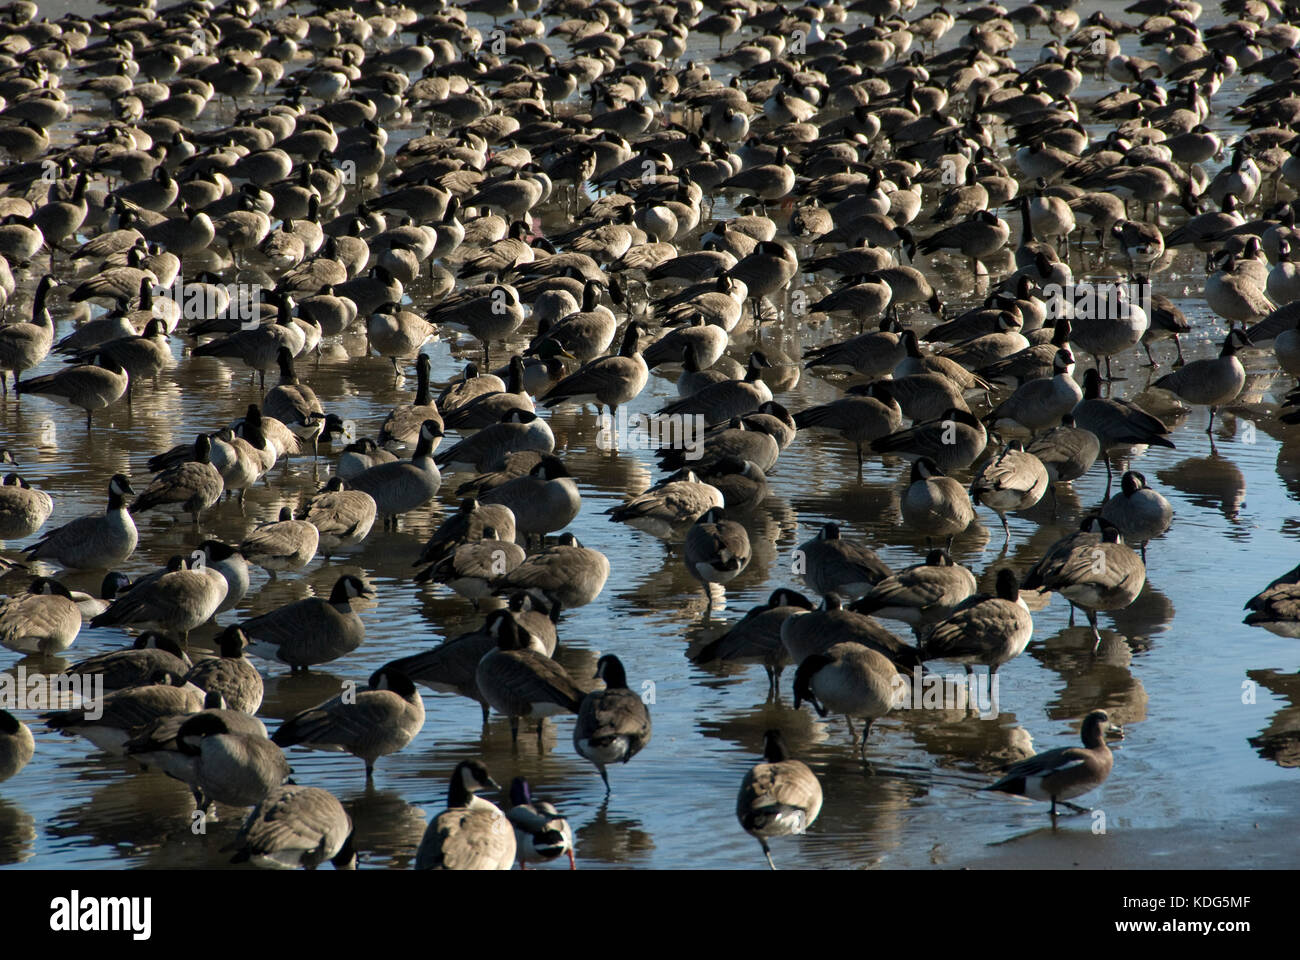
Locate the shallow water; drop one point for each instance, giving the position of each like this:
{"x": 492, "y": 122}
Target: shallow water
{"x": 1172, "y": 668}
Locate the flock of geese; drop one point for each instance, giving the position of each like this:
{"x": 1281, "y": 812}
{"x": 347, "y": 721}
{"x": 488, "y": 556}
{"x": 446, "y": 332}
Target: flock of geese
{"x": 583, "y": 194}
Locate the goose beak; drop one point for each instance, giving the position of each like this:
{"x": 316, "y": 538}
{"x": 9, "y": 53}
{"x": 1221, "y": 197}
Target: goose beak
{"x": 1116, "y": 732}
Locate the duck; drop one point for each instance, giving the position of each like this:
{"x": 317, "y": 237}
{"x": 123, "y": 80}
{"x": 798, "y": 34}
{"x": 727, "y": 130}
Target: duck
{"x": 982, "y": 629}
{"x": 311, "y": 631}
{"x": 472, "y": 833}
{"x": 779, "y": 797}
{"x": 371, "y": 723}
{"x": 1064, "y": 773}
{"x": 613, "y": 723}
{"x": 541, "y": 834}
{"x": 43, "y": 621}
{"x": 93, "y": 542}
{"x": 296, "y": 826}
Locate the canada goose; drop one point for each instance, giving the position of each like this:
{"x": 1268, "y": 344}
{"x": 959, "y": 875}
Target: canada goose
{"x": 541, "y": 834}
{"x": 779, "y": 797}
{"x": 1213, "y": 382}
{"x": 756, "y": 637}
{"x": 194, "y": 485}
{"x": 17, "y": 746}
{"x": 227, "y": 561}
{"x": 342, "y": 516}
{"x": 853, "y": 680}
{"x": 567, "y": 571}
{"x": 281, "y": 544}
{"x": 403, "y": 424}
{"x": 368, "y": 724}
{"x": 1012, "y": 481}
{"x": 225, "y": 764}
{"x": 110, "y": 724}
{"x": 24, "y": 345}
{"x": 471, "y": 834}
{"x": 1120, "y": 425}
{"x": 488, "y": 409}
{"x": 1066, "y": 772}
{"x": 472, "y": 569}
{"x": 258, "y": 347}
{"x": 1140, "y": 513}
{"x": 94, "y": 542}
{"x": 830, "y": 564}
{"x": 311, "y": 631}
{"x": 1097, "y": 573}
{"x": 42, "y": 621}
{"x": 667, "y": 509}
{"x": 921, "y": 594}
{"x": 229, "y": 674}
{"x": 952, "y": 441}
{"x": 613, "y": 724}
{"x": 403, "y": 485}
{"x": 706, "y": 341}
{"x": 182, "y": 598}
{"x": 23, "y": 508}
{"x": 452, "y": 666}
{"x": 517, "y": 681}
{"x": 292, "y": 402}
{"x": 397, "y": 334}
{"x": 87, "y": 386}
{"x": 716, "y": 550}
{"x": 865, "y": 415}
{"x": 1067, "y": 452}
{"x": 544, "y": 500}
{"x": 296, "y": 826}
{"x": 518, "y": 430}
{"x": 465, "y": 526}
{"x": 981, "y": 236}
{"x": 727, "y": 399}
{"x": 608, "y": 382}
{"x": 1236, "y": 294}
{"x": 146, "y": 661}
{"x": 1038, "y": 404}
{"x": 935, "y": 504}
{"x": 991, "y": 630}
{"x": 495, "y": 315}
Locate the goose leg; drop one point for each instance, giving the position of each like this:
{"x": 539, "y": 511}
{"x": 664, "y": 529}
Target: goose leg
{"x": 866, "y": 732}
{"x": 370, "y": 771}
{"x": 1005, "y": 529}
{"x": 514, "y": 731}
{"x": 1092, "y": 622}
{"x": 1210, "y": 429}
{"x": 767, "y": 853}
{"x": 604, "y": 776}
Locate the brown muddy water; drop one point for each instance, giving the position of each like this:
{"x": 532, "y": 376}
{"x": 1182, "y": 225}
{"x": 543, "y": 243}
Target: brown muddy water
{"x": 1201, "y": 756}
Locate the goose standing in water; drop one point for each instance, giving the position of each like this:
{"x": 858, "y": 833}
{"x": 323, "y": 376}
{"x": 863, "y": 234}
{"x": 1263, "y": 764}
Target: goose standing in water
{"x": 779, "y": 797}
{"x": 1212, "y": 382}
{"x": 296, "y": 826}
{"x": 613, "y": 724}
{"x": 94, "y": 542}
